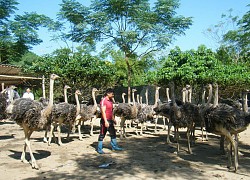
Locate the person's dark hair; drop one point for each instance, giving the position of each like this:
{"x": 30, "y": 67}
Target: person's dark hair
{"x": 109, "y": 90}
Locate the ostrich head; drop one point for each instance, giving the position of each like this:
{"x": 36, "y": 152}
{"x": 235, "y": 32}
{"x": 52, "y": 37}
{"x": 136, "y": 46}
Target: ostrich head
{"x": 134, "y": 90}
{"x": 67, "y": 87}
{"x": 158, "y": 88}
{"x": 13, "y": 87}
{"x": 78, "y": 92}
{"x": 54, "y": 76}
{"x": 188, "y": 86}
{"x": 95, "y": 90}
{"x": 123, "y": 94}
{"x": 215, "y": 85}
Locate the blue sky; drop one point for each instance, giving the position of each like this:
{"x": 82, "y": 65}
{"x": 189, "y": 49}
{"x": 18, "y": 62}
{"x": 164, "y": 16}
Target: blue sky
{"x": 204, "y": 12}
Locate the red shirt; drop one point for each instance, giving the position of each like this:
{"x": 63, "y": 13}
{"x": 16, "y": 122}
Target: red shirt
{"x": 109, "y": 107}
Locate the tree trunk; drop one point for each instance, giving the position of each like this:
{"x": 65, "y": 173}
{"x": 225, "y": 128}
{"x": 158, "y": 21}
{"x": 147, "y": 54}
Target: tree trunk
{"x": 129, "y": 78}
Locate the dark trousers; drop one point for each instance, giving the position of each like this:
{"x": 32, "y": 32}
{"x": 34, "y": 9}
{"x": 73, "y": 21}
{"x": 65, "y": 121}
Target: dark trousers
{"x": 110, "y": 129}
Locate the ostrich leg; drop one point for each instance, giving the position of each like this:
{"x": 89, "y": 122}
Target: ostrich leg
{"x": 236, "y": 153}
{"x": 169, "y": 129}
{"x": 122, "y": 128}
{"x": 230, "y": 142}
{"x": 23, "y": 158}
{"x": 59, "y": 135}
{"x": 177, "y": 138}
{"x": 28, "y": 133}
{"x": 79, "y": 130}
{"x": 92, "y": 125}
{"x": 164, "y": 122}
{"x": 156, "y": 120}
{"x": 51, "y": 131}
{"x": 188, "y": 140}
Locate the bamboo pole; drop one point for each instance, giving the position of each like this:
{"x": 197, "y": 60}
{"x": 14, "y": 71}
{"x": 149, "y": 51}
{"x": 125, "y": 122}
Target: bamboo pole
{"x": 19, "y": 77}
{"x": 2, "y": 86}
{"x": 43, "y": 87}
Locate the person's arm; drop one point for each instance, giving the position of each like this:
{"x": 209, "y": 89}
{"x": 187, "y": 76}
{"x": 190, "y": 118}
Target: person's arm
{"x": 103, "y": 111}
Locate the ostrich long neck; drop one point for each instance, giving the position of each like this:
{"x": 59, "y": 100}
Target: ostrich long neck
{"x": 123, "y": 98}
{"x": 146, "y": 95}
{"x": 209, "y": 95}
{"x": 156, "y": 96}
{"x": 190, "y": 95}
{"x": 94, "y": 99}
{"x": 65, "y": 95}
{"x": 203, "y": 97}
{"x": 173, "y": 95}
{"x": 244, "y": 102}
{"x": 216, "y": 100}
{"x": 133, "y": 96}
{"x": 48, "y": 109}
{"x": 167, "y": 93}
{"x": 77, "y": 104}
{"x": 184, "y": 91}
{"x": 137, "y": 96}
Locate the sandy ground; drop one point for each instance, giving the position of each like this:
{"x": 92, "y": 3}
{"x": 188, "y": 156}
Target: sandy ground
{"x": 144, "y": 157}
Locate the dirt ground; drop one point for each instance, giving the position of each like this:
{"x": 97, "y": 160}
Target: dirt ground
{"x": 144, "y": 157}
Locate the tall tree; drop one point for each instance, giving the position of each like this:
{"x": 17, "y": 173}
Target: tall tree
{"x": 240, "y": 38}
{"x": 17, "y": 36}
{"x": 132, "y": 26}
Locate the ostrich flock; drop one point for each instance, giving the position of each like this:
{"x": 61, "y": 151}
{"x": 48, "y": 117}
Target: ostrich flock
{"x": 225, "y": 118}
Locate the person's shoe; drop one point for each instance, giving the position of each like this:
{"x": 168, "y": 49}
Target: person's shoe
{"x": 115, "y": 146}
{"x": 99, "y": 147}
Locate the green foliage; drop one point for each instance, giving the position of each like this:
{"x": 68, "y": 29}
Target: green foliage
{"x": 75, "y": 69}
{"x": 198, "y": 67}
{"x": 133, "y": 27}
{"x": 140, "y": 68}
{"x": 240, "y": 38}
{"x": 18, "y": 35}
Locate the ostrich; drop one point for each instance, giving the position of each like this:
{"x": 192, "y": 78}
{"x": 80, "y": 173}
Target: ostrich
{"x": 31, "y": 116}
{"x": 62, "y": 113}
{"x": 192, "y": 115}
{"x": 180, "y": 116}
{"x": 118, "y": 119}
{"x": 222, "y": 119}
{"x": 87, "y": 112}
{"x": 147, "y": 111}
{"x": 126, "y": 111}
{"x": 161, "y": 109}
{"x": 164, "y": 110}
{"x": 199, "y": 120}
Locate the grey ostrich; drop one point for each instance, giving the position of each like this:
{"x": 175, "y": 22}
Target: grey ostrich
{"x": 126, "y": 111}
{"x": 180, "y": 117}
{"x": 222, "y": 119}
{"x": 192, "y": 114}
{"x": 87, "y": 112}
{"x": 162, "y": 109}
{"x": 147, "y": 112}
{"x": 31, "y": 116}
{"x": 199, "y": 120}
{"x": 62, "y": 113}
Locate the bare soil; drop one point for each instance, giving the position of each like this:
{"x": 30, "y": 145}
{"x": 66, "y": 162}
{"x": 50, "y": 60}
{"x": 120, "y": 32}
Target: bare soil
{"x": 144, "y": 157}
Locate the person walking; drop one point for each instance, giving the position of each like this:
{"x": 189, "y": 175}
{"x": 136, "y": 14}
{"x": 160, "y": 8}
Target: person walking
{"x": 28, "y": 94}
{"x": 107, "y": 122}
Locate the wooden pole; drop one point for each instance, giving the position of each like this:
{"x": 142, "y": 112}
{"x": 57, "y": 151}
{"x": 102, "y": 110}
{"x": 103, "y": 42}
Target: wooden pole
{"x": 43, "y": 87}
{"x": 2, "y": 86}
